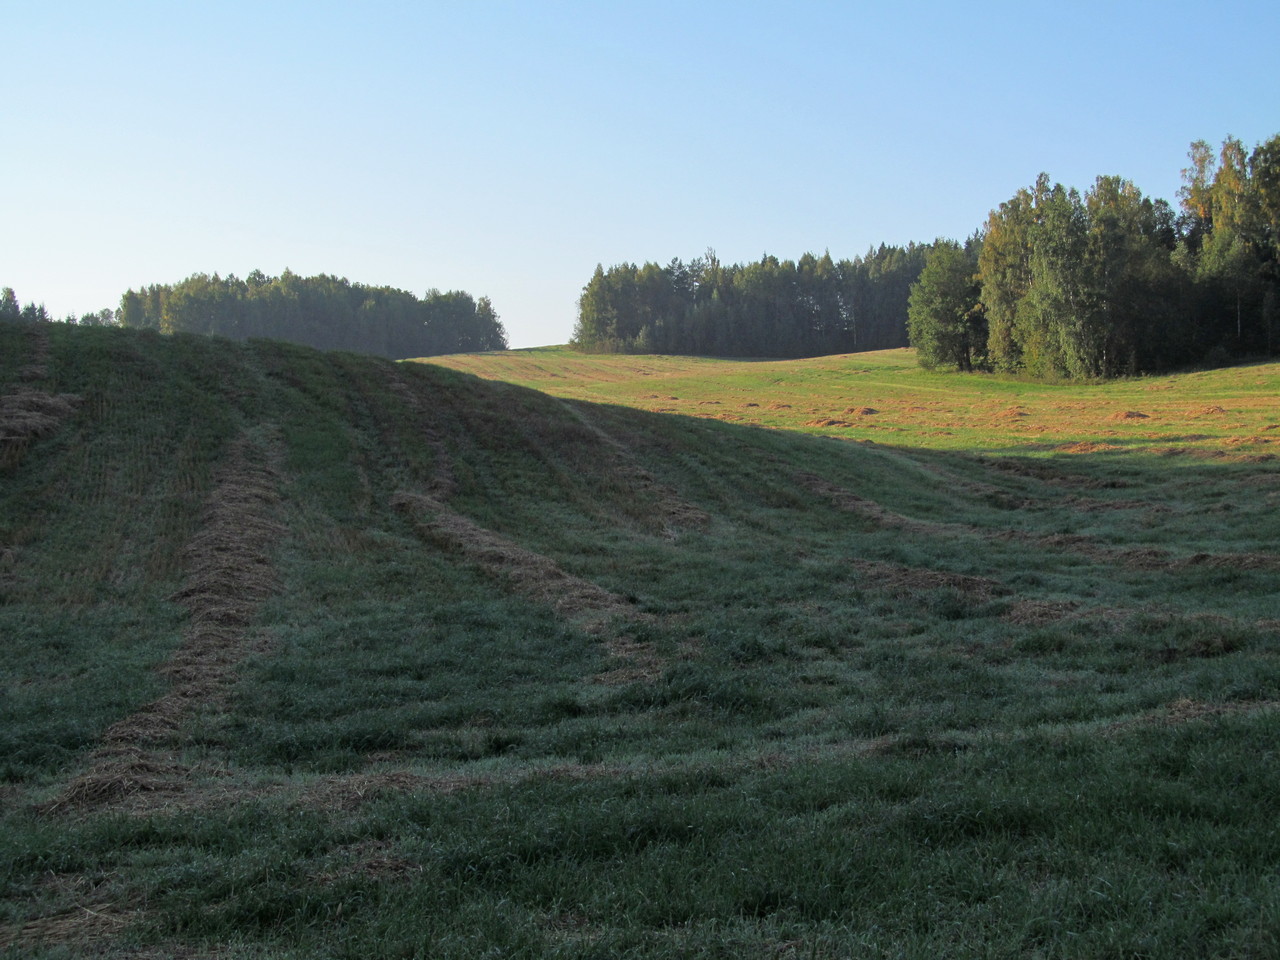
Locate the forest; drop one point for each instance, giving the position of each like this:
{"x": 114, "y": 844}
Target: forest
{"x": 1056, "y": 285}
{"x": 326, "y": 312}
{"x": 813, "y": 306}
{"x": 1061, "y": 285}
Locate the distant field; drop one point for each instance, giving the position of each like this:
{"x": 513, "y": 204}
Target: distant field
{"x": 315, "y": 655}
{"x": 886, "y": 398}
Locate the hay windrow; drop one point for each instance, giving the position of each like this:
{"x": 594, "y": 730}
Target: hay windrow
{"x": 443, "y": 483}
{"x": 673, "y": 512}
{"x": 229, "y": 573}
{"x": 593, "y": 608}
{"x": 873, "y": 511}
{"x": 532, "y": 574}
{"x": 907, "y": 581}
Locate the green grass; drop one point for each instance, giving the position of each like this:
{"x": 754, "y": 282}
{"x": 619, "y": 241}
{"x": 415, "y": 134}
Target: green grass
{"x": 948, "y": 694}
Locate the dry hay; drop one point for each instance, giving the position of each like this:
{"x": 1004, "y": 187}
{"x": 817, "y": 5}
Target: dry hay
{"x": 442, "y": 484}
{"x": 229, "y": 574}
{"x": 1085, "y": 446}
{"x": 862, "y": 411}
{"x": 1047, "y": 473}
{"x": 1233, "y": 561}
{"x": 864, "y": 507}
{"x": 1130, "y": 415}
{"x": 85, "y": 926}
{"x": 29, "y": 414}
{"x": 370, "y": 860}
{"x": 1188, "y": 710}
{"x": 1037, "y": 613}
{"x": 779, "y": 406}
{"x": 1211, "y": 411}
{"x": 640, "y": 663}
{"x": 352, "y": 791}
{"x": 906, "y": 581}
{"x": 532, "y": 574}
{"x": 827, "y": 422}
{"x": 673, "y": 512}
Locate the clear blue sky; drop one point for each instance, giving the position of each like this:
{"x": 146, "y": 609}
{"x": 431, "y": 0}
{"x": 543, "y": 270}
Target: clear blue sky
{"x": 507, "y": 148}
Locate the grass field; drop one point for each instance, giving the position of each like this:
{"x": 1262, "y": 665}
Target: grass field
{"x": 316, "y": 655}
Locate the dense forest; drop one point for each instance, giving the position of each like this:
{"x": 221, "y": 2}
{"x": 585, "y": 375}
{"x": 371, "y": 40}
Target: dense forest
{"x": 1109, "y": 283}
{"x": 327, "y": 312}
{"x": 770, "y": 308}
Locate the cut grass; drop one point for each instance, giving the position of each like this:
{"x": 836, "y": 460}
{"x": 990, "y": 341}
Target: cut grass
{"x": 539, "y": 676}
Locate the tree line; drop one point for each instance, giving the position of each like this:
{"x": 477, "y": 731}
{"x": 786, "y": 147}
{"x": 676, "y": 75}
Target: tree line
{"x": 11, "y": 310}
{"x": 1109, "y": 282}
{"x": 326, "y": 312}
{"x": 329, "y": 313}
{"x": 769, "y": 308}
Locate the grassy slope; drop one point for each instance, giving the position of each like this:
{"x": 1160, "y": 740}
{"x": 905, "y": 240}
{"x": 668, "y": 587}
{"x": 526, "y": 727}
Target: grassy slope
{"x": 886, "y": 398}
{"x": 515, "y": 675}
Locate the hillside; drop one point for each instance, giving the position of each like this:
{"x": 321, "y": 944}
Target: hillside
{"x": 885, "y": 397}
{"x": 317, "y": 655}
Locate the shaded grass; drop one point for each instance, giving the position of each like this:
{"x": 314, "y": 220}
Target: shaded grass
{"x": 1013, "y": 706}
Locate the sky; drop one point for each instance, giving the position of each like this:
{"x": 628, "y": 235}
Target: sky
{"x": 507, "y": 148}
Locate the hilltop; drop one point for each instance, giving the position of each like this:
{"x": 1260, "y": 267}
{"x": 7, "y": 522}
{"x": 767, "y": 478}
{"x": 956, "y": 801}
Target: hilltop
{"x": 314, "y": 654}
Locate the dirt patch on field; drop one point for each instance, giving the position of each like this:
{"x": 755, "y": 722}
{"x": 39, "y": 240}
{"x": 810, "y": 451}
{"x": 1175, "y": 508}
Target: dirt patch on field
{"x": 862, "y": 411}
{"x": 229, "y": 574}
{"x": 827, "y": 422}
{"x": 1130, "y": 415}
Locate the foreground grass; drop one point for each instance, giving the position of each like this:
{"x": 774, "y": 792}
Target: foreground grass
{"x": 542, "y": 677}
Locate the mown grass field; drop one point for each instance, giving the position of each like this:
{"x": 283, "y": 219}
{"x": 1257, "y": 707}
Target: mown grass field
{"x": 315, "y": 655}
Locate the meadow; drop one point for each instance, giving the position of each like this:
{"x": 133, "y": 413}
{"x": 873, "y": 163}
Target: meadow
{"x": 540, "y": 654}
